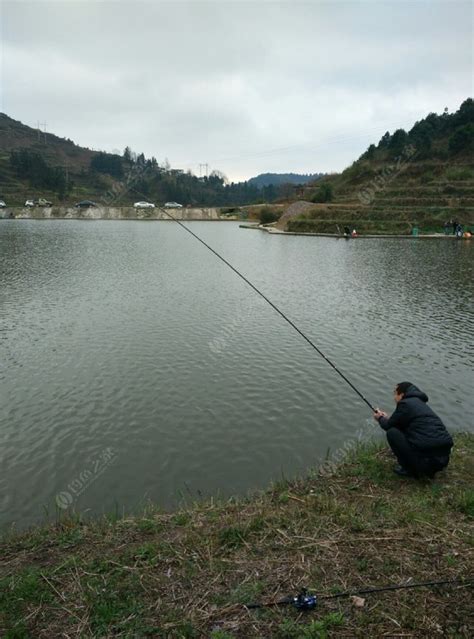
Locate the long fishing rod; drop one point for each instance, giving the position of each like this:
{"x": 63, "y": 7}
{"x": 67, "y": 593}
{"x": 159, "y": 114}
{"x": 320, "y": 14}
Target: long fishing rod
{"x": 307, "y": 601}
{"x": 274, "y": 307}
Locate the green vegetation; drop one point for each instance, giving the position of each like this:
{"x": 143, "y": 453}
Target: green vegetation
{"x": 107, "y": 163}
{"x": 268, "y": 215}
{"x": 279, "y": 179}
{"x": 422, "y": 177}
{"x": 324, "y": 193}
{"x": 34, "y": 164}
{"x": 190, "y": 573}
{"x": 31, "y": 165}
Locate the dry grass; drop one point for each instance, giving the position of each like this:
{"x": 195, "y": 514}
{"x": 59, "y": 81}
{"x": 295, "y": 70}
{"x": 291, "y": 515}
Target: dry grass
{"x": 189, "y": 574}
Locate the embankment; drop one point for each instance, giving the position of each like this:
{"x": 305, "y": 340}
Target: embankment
{"x": 190, "y": 573}
{"x": 109, "y": 213}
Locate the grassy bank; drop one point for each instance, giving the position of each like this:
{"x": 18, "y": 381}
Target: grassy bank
{"x": 188, "y": 574}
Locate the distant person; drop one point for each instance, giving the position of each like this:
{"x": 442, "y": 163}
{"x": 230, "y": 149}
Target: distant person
{"x": 354, "y": 233}
{"x": 459, "y": 230}
{"x": 446, "y": 226}
{"x": 416, "y": 435}
{"x": 455, "y": 226}
{"x": 347, "y": 231}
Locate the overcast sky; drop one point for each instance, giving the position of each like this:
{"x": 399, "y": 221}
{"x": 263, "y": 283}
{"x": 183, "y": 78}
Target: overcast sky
{"x": 245, "y": 86}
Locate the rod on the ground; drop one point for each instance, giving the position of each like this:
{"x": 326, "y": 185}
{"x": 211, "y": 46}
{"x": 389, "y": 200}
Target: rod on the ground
{"x": 275, "y": 308}
{"x": 312, "y": 599}
{"x": 420, "y": 584}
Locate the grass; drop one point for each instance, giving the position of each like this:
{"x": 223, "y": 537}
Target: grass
{"x": 190, "y": 573}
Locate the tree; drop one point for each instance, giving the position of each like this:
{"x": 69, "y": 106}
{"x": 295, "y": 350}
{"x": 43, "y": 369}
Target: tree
{"x": 107, "y": 163}
{"x": 31, "y": 166}
{"x": 127, "y": 154}
{"x": 369, "y": 154}
{"x": 465, "y": 115}
{"x": 267, "y": 216}
{"x": 462, "y": 139}
{"x": 384, "y": 140}
{"x": 423, "y": 144}
{"x": 398, "y": 141}
{"x": 324, "y": 193}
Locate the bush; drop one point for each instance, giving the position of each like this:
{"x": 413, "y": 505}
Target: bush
{"x": 267, "y": 216}
{"x": 323, "y": 194}
{"x": 449, "y": 189}
{"x": 459, "y": 173}
{"x": 427, "y": 178}
{"x": 462, "y": 139}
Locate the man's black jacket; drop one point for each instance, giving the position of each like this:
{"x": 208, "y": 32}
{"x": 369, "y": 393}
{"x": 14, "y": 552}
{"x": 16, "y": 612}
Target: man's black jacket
{"x": 423, "y": 429}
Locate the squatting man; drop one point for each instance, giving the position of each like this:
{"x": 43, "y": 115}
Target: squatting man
{"x": 416, "y": 435}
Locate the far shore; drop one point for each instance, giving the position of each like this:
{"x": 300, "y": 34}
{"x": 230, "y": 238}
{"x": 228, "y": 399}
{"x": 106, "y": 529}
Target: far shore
{"x": 428, "y": 236}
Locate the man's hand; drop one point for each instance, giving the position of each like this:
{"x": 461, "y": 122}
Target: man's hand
{"x": 379, "y": 413}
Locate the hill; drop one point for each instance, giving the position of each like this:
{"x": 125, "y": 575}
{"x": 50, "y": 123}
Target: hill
{"x": 35, "y": 164}
{"x": 265, "y": 179}
{"x": 421, "y": 177}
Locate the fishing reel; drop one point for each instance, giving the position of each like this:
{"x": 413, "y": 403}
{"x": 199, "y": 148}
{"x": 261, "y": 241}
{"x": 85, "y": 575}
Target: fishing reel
{"x": 304, "y": 600}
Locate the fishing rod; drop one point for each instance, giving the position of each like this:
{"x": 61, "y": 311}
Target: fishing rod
{"x": 307, "y": 601}
{"x": 276, "y": 309}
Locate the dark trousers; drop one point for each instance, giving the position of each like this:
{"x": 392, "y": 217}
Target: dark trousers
{"x": 417, "y": 463}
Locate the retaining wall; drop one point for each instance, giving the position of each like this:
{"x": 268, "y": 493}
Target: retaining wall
{"x": 108, "y": 213}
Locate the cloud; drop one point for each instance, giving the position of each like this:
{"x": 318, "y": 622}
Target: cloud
{"x": 245, "y": 86}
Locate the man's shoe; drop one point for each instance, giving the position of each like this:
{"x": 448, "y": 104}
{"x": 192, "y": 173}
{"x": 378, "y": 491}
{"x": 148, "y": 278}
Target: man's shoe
{"x": 401, "y": 472}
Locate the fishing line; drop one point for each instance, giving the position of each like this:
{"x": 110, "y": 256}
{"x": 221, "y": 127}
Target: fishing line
{"x": 274, "y": 307}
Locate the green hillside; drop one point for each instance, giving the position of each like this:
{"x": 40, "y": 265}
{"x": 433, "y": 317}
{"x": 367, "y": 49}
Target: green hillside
{"x": 265, "y": 179}
{"x": 422, "y": 178}
{"x": 34, "y": 164}
{"x": 48, "y": 166}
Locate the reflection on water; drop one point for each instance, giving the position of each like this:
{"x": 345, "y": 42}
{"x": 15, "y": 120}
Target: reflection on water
{"x": 130, "y": 338}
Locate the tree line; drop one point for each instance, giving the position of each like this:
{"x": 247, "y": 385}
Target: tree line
{"x": 457, "y": 127}
{"x": 143, "y": 178}
{"x": 146, "y": 179}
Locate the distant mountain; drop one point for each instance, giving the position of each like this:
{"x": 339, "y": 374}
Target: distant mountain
{"x": 265, "y": 179}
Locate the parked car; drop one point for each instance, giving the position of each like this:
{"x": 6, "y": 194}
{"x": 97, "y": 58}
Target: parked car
{"x": 173, "y": 205}
{"x": 29, "y": 203}
{"x": 85, "y": 204}
{"x": 144, "y": 205}
{"x": 42, "y": 202}
{"x": 2, "y": 204}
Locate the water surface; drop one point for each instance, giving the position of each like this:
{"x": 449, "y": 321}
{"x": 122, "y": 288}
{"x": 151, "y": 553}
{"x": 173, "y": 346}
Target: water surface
{"x": 134, "y": 365}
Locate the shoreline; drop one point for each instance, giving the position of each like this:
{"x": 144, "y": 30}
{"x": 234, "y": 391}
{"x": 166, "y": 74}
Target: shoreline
{"x": 188, "y": 574}
{"x": 274, "y": 231}
{"x": 114, "y": 213}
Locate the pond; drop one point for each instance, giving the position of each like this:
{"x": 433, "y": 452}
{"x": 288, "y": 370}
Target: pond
{"x": 136, "y": 366}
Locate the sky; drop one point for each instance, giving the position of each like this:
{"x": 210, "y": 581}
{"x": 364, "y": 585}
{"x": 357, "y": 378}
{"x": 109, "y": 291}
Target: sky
{"x": 246, "y": 87}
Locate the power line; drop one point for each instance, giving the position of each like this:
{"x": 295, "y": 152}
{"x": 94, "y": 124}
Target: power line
{"x": 341, "y": 138}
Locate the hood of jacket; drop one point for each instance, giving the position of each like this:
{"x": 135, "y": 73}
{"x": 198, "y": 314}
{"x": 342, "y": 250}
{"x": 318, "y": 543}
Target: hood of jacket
{"x": 414, "y": 391}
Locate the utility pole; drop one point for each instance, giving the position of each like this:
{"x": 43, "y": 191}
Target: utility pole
{"x": 39, "y": 124}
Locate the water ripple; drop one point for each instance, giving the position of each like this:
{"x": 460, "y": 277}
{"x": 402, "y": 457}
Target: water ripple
{"x": 130, "y": 336}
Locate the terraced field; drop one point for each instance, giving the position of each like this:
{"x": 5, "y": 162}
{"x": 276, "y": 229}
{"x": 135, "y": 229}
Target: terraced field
{"x": 422, "y": 195}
